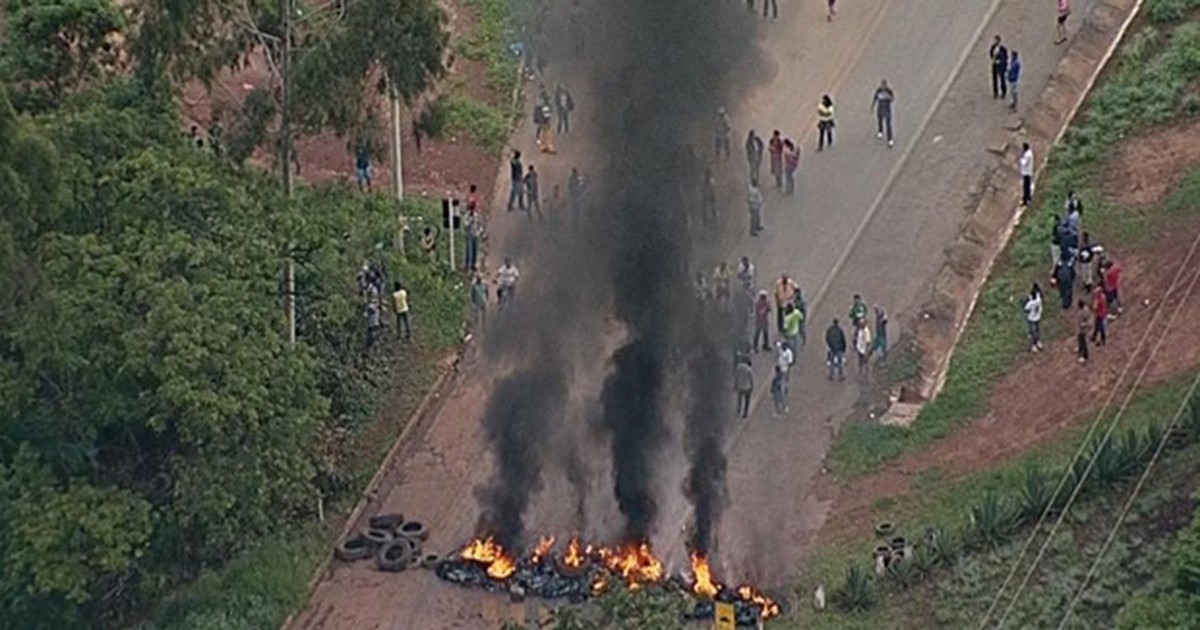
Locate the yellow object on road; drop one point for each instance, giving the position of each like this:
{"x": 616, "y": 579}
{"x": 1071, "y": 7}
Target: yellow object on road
{"x": 725, "y": 618}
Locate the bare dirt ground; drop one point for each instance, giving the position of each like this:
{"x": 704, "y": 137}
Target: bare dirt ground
{"x": 1050, "y": 393}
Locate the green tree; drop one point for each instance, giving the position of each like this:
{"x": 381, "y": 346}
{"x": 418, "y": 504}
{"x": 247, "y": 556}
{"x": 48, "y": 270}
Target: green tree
{"x": 60, "y": 44}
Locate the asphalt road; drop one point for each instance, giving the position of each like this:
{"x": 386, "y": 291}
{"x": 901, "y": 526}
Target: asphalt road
{"x": 867, "y": 219}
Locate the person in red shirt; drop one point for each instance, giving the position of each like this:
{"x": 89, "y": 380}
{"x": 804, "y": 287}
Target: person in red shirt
{"x": 775, "y": 148}
{"x": 1112, "y": 282}
{"x": 1100, "y": 312}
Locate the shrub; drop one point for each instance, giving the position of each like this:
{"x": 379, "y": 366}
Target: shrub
{"x": 1036, "y": 493}
{"x": 991, "y": 522}
{"x": 857, "y": 593}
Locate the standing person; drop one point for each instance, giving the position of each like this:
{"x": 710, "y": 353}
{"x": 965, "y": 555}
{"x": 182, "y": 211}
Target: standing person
{"x": 779, "y": 390}
{"x": 472, "y": 231}
{"x": 721, "y": 132}
{"x": 722, "y": 278}
{"x": 785, "y": 294}
{"x": 1100, "y": 314}
{"x": 835, "y": 344}
{"x": 774, "y": 4}
{"x": 743, "y": 384}
{"x": 832, "y": 10}
{"x": 1087, "y": 258}
{"x": 1064, "y": 275}
{"x": 516, "y": 176}
{"x": 532, "y": 204}
{"x": 1025, "y": 168}
{"x": 1014, "y": 80}
{"x": 479, "y": 301}
{"x": 792, "y": 320}
{"x": 754, "y": 155}
{"x": 791, "y": 162}
{"x": 999, "y": 56}
{"x": 1064, "y": 11}
{"x": 1112, "y": 281}
{"x": 1074, "y": 208}
{"x": 1081, "y": 340}
{"x": 362, "y": 168}
{"x": 400, "y": 303}
{"x": 565, "y": 105}
{"x": 862, "y": 347}
{"x": 825, "y": 123}
{"x": 745, "y": 273}
{"x": 506, "y": 282}
{"x": 374, "y": 324}
{"x": 762, "y": 322}
{"x": 881, "y": 104}
{"x": 802, "y": 306}
{"x": 775, "y": 146}
{"x": 881, "y": 338}
{"x": 1033, "y": 317}
{"x": 784, "y": 357}
{"x": 575, "y": 195}
{"x": 1056, "y": 228}
{"x": 858, "y": 311}
{"x": 754, "y": 200}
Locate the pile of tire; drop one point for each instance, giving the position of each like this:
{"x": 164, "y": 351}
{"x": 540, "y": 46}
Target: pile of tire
{"x": 394, "y": 543}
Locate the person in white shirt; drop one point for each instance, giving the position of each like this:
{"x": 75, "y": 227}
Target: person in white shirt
{"x": 1025, "y": 168}
{"x": 506, "y": 282}
{"x": 1033, "y": 317}
{"x": 784, "y": 357}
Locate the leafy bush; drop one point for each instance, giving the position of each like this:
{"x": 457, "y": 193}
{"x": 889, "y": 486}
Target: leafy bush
{"x": 991, "y": 522}
{"x": 856, "y": 593}
{"x": 1036, "y": 492}
{"x": 1166, "y": 11}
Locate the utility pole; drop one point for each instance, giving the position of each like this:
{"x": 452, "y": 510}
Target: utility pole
{"x": 285, "y": 157}
{"x": 397, "y": 169}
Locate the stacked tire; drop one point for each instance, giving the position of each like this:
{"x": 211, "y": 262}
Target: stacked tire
{"x": 396, "y": 544}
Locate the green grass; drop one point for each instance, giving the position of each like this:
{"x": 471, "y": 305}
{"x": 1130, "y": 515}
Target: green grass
{"x": 954, "y": 597}
{"x": 1147, "y": 87}
{"x": 495, "y": 28}
{"x": 487, "y": 125}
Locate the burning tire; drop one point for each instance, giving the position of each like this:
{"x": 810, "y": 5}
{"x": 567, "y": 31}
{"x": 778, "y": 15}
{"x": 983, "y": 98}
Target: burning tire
{"x": 387, "y": 522}
{"x": 357, "y": 548}
{"x": 415, "y": 530}
{"x": 394, "y": 556}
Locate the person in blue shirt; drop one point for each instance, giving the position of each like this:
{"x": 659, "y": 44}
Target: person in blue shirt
{"x": 362, "y": 167}
{"x": 1014, "y": 78}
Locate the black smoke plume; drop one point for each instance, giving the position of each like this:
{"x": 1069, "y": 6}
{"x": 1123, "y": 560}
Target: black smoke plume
{"x": 704, "y": 441}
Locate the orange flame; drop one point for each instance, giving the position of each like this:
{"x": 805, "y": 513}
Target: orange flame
{"x": 767, "y": 605}
{"x": 702, "y": 573}
{"x": 635, "y": 563}
{"x": 542, "y": 548}
{"x": 488, "y": 552}
{"x": 573, "y": 557}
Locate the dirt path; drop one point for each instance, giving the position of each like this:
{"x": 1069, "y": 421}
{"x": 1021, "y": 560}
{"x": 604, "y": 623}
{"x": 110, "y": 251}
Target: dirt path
{"x": 867, "y": 220}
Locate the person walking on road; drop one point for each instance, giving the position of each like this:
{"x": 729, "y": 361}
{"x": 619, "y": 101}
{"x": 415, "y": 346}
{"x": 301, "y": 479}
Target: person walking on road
{"x": 825, "y": 123}
{"x": 1064, "y": 11}
{"x": 743, "y": 385}
{"x": 516, "y": 175}
{"x": 722, "y": 130}
{"x": 775, "y": 147}
{"x": 479, "y": 301}
{"x": 774, "y": 5}
{"x": 1081, "y": 337}
{"x": 862, "y": 347}
{"x": 784, "y": 356}
{"x": 1100, "y": 314}
{"x": 754, "y": 155}
{"x": 791, "y": 163}
{"x": 1025, "y": 168}
{"x": 881, "y": 338}
{"x": 745, "y": 273}
{"x": 792, "y": 320}
{"x": 1033, "y": 317}
{"x": 722, "y": 278}
{"x": 754, "y": 199}
{"x": 999, "y": 56}
{"x": 1014, "y": 80}
{"x": 882, "y": 106}
{"x": 832, "y": 10}
{"x": 762, "y": 322}
{"x": 858, "y": 311}
{"x": 400, "y": 305}
{"x": 785, "y": 294}
{"x": 779, "y": 391}
{"x": 565, "y": 105}
{"x": 506, "y": 282}
{"x": 531, "y": 193}
{"x": 835, "y": 345}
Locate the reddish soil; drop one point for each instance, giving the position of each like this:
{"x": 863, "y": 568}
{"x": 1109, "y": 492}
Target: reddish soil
{"x": 439, "y": 166}
{"x": 1143, "y": 172}
{"x": 1051, "y": 392}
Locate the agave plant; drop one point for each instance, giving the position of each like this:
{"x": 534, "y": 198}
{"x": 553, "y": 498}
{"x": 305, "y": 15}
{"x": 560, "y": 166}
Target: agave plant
{"x": 902, "y": 572}
{"x": 991, "y": 522}
{"x": 942, "y": 546}
{"x": 924, "y": 560}
{"x": 1035, "y": 494}
{"x": 857, "y": 592}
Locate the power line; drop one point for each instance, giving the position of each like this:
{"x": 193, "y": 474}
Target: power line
{"x": 1078, "y": 485}
{"x": 1183, "y": 405}
{"x": 1083, "y": 446}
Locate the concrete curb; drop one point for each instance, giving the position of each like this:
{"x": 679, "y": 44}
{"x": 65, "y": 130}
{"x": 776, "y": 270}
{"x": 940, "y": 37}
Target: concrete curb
{"x": 971, "y": 258}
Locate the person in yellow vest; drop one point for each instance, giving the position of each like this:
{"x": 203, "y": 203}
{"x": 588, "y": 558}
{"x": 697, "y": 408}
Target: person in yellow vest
{"x": 400, "y": 305}
{"x": 825, "y": 123}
